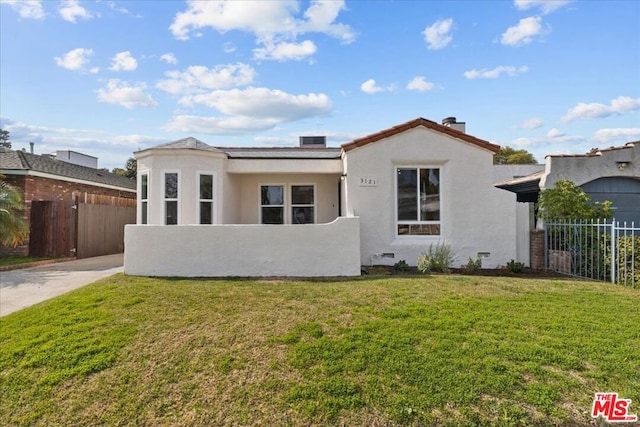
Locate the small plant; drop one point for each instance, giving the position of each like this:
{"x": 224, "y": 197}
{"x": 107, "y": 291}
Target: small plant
{"x": 438, "y": 259}
{"x": 515, "y": 266}
{"x": 472, "y": 267}
{"x": 401, "y": 265}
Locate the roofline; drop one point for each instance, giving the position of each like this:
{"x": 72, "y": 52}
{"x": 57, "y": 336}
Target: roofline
{"x": 386, "y": 133}
{"x": 30, "y": 172}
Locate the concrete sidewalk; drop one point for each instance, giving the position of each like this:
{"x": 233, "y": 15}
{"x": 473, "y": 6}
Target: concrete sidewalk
{"x": 29, "y": 286}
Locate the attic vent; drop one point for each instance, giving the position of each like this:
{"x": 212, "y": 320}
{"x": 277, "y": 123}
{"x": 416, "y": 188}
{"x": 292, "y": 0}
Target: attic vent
{"x": 313, "y": 141}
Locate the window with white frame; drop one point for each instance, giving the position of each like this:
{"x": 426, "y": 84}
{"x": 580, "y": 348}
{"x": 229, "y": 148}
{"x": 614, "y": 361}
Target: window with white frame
{"x": 418, "y": 201}
{"x": 302, "y": 204}
{"x": 171, "y": 198}
{"x": 144, "y": 198}
{"x": 294, "y": 204}
{"x": 205, "y": 201}
{"x": 272, "y": 204}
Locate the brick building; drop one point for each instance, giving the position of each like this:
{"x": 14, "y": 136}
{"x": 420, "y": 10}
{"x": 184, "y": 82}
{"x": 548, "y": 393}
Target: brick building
{"x": 48, "y": 178}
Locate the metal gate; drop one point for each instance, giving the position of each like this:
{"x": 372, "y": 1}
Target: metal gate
{"x": 598, "y": 250}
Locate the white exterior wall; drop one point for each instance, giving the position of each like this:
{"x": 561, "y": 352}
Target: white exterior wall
{"x": 244, "y": 250}
{"x": 326, "y": 194}
{"x": 475, "y": 216}
{"x": 187, "y": 163}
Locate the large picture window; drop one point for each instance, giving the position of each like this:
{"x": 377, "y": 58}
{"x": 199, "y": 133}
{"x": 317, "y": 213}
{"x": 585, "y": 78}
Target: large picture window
{"x": 144, "y": 198}
{"x": 171, "y": 198}
{"x": 418, "y": 199}
{"x": 205, "y": 190}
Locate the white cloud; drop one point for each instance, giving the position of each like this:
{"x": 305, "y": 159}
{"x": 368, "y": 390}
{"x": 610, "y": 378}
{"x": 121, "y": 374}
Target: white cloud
{"x": 555, "y": 133}
{"x": 420, "y": 84}
{"x": 169, "y": 58}
{"x": 370, "y": 87}
{"x": 496, "y": 72}
{"x": 285, "y": 51}
{"x": 75, "y": 59}
{"x": 199, "y": 79}
{"x": 71, "y": 9}
{"x": 123, "y": 61}
{"x": 595, "y": 110}
{"x": 218, "y": 125}
{"x": 28, "y": 9}
{"x": 438, "y": 34}
{"x": 546, "y": 6}
{"x": 619, "y": 134}
{"x": 273, "y": 23}
{"x": 127, "y": 96}
{"x": 524, "y": 32}
{"x": 532, "y": 123}
{"x": 266, "y": 104}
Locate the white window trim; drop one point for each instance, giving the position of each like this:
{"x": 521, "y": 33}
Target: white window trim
{"x": 397, "y": 222}
{"x": 284, "y": 201}
{"x": 292, "y": 205}
{"x": 165, "y": 200}
{"x": 213, "y": 200}
{"x": 140, "y": 199}
{"x": 288, "y": 205}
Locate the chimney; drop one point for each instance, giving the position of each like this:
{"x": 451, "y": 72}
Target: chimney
{"x": 31, "y": 145}
{"x": 313, "y": 142}
{"x": 453, "y": 124}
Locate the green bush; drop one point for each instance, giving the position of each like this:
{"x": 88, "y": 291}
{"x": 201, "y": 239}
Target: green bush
{"x": 401, "y": 265}
{"x": 437, "y": 259}
{"x": 472, "y": 267}
{"x": 628, "y": 260}
{"x": 515, "y": 266}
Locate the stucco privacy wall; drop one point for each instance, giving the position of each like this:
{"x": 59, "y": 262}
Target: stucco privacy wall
{"x": 475, "y": 216}
{"x": 244, "y": 250}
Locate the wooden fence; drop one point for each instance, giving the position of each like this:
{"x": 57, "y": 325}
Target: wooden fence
{"x": 93, "y": 225}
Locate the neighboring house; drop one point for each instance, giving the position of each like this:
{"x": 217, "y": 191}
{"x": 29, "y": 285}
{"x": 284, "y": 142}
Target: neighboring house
{"x": 59, "y": 178}
{"x": 604, "y": 174}
{"x": 319, "y": 211}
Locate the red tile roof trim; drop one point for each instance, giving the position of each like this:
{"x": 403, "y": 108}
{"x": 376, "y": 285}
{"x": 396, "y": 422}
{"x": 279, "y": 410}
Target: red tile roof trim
{"x": 360, "y": 142}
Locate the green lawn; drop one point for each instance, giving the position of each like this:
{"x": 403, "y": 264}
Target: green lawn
{"x": 432, "y": 350}
{"x": 15, "y": 260}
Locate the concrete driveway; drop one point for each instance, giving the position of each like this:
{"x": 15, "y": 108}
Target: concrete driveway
{"x": 29, "y": 286}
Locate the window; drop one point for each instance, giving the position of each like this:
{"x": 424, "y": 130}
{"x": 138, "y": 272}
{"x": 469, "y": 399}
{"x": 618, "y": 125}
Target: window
{"x": 418, "y": 198}
{"x": 272, "y": 204}
{"x": 171, "y": 198}
{"x": 144, "y": 198}
{"x": 291, "y": 205}
{"x": 302, "y": 206}
{"x": 205, "y": 189}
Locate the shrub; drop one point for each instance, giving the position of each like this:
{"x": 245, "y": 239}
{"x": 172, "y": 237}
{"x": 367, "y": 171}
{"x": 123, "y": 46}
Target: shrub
{"x": 401, "y": 265}
{"x": 437, "y": 259}
{"x": 472, "y": 267}
{"x": 515, "y": 266}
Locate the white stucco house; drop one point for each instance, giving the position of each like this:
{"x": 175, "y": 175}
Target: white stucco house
{"x": 320, "y": 211}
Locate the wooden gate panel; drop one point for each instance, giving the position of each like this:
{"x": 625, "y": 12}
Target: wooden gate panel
{"x": 52, "y": 229}
{"x": 101, "y": 228}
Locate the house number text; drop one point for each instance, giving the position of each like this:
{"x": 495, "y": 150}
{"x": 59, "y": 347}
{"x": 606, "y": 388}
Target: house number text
{"x": 368, "y": 181}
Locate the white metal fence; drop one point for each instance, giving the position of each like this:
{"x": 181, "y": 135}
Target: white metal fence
{"x": 598, "y": 250}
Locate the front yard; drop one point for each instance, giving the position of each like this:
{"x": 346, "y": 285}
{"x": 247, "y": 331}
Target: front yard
{"x": 432, "y": 350}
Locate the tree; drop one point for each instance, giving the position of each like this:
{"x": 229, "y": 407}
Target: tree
{"x": 567, "y": 201}
{"x": 4, "y": 139}
{"x": 13, "y": 228}
{"x": 511, "y": 156}
{"x": 130, "y": 171}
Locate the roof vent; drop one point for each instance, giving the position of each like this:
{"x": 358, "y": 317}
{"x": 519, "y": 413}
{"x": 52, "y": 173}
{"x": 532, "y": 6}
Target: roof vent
{"x": 313, "y": 141}
{"x": 454, "y": 124}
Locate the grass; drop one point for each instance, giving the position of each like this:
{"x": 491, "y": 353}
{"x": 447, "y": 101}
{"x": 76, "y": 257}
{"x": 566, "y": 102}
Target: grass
{"x": 15, "y": 260}
{"x": 440, "y": 350}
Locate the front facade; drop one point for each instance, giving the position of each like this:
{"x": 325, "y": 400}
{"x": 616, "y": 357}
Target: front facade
{"x": 318, "y": 211}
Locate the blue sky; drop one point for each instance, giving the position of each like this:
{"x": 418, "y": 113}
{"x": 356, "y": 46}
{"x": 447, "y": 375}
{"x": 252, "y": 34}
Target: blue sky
{"x": 107, "y": 78}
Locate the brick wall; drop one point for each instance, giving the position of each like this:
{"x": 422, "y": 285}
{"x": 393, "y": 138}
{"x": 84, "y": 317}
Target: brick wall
{"x": 537, "y": 249}
{"x": 35, "y": 188}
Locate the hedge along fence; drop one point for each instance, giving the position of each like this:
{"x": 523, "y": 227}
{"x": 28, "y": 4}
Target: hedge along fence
{"x": 598, "y": 250}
